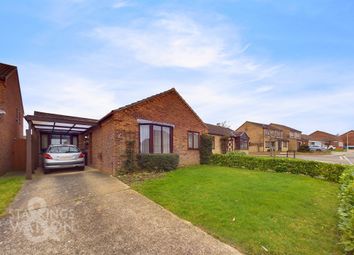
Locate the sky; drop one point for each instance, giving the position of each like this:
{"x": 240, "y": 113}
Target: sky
{"x": 288, "y": 62}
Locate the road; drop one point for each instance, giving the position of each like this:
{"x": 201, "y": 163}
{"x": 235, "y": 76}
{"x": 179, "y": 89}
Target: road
{"x": 336, "y": 158}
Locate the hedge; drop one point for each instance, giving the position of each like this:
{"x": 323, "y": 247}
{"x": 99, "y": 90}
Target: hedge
{"x": 346, "y": 210}
{"x": 330, "y": 172}
{"x": 158, "y": 162}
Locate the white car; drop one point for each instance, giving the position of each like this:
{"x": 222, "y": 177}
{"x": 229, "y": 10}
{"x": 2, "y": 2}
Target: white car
{"x": 316, "y": 148}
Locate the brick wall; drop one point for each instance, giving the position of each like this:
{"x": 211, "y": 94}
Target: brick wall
{"x": 123, "y": 127}
{"x": 12, "y": 122}
{"x": 255, "y": 133}
{"x": 102, "y": 147}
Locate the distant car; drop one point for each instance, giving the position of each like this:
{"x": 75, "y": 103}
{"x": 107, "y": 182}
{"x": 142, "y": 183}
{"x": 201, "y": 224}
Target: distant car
{"x": 63, "y": 156}
{"x": 316, "y": 148}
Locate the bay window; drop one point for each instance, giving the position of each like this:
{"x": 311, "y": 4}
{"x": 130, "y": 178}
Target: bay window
{"x": 193, "y": 140}
{"x": 155, "y": 138}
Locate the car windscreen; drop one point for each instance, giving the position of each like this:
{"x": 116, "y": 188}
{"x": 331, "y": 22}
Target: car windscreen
{"x": 63, "y": 149}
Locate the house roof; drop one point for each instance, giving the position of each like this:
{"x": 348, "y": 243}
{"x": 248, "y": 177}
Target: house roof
{"x": 148, "y": 99}
{"x": 262, "y": 125}
{"x": 321, "y": 135}
{"x": 305, "y": 137}
{"x": 223, "y": 131}
{"x": 350, "y": 131}
{"x": 219, "y": 130}
{"x": 6, "y": 70}
{"x": 283, "y": 126}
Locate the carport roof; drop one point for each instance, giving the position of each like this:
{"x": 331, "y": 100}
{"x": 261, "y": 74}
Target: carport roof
{"x": 49, "y": 122}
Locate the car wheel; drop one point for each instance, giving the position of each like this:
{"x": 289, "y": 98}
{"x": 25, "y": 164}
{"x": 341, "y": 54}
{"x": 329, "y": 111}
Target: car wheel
{"x": 81, "y": 168}
{"x": 45, "y": 171}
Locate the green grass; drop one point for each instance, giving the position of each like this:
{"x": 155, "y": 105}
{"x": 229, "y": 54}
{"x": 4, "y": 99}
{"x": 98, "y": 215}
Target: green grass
{"x": 285, "y": 213}
{"x": 9, "y": 186}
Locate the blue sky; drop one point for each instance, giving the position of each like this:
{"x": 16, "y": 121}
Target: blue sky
{"x": 289, "y": 62}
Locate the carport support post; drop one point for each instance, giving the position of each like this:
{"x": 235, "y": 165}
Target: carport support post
{"x": 28, "y": 153}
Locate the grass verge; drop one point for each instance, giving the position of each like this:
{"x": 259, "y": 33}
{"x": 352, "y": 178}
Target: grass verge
{"x": 9, "y": 186}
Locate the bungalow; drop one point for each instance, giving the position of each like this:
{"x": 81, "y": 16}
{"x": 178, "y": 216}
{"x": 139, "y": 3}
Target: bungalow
{"x": 324, "y": 139}
{"x": 225, "y": 139}
{"x": 263, "y": 137}
{"x": 163, "y": 123}
{"x": 11, "y": 121}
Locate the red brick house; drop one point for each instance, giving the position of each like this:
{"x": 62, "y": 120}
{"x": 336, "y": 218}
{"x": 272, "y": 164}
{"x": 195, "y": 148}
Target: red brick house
{"x": 347, "y": 139}
{"x": 11, "y": 120}
{"x": 324, "y": 139}
{"x": 163, "y": 123}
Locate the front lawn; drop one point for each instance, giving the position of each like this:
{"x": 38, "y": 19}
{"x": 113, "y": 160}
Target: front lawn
{"x": 257, "y": 212}
{"x": 9, "y": 186}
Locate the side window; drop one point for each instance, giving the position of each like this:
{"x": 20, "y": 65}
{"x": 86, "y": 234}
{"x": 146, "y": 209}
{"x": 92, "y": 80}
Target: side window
{"x": 193, "y": 140}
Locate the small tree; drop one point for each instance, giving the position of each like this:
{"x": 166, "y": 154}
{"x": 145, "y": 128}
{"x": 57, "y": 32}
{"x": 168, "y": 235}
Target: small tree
{"x": 205, "y": 148}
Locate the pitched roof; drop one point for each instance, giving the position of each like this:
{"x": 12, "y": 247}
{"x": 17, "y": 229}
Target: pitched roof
{"x": 153, "y": 97}
{"x": 283, "y": 126}
{"x": 350, "y": 131}
{"x": 219, "y": 130}
{"x": 262, "y": 125}
{"x": 5, "y": 70}
{"x": 324, "y": 135}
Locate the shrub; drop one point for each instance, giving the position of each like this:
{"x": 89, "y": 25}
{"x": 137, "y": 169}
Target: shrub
{"x": 346, "y": 210}
{"x": 205, "y": 150}
{"x": 158, "y": 162}
{"x": 304, "y": 148}
{"x": 129, "y": 164}
{"x": 330, "y": 172}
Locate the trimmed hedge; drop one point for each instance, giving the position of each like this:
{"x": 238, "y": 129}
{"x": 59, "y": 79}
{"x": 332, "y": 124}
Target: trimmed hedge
{"x": 330, "y": 172}
{"x": 206, "y": 147}
{"x": 158, "y": 162}
{"x": 346, "y": 210}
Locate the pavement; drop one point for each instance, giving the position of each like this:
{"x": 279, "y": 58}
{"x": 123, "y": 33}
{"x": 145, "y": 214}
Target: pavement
{"x": 88, "y": 212}
{"x": 336, "y": 158}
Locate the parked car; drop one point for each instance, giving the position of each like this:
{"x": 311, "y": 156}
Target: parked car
{"x": 316, "y": 148}
{"x": 63, "y": 156}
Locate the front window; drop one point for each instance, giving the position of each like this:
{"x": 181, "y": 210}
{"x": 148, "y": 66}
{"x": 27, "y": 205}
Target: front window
{"x": 155, "y": 138}
{"x": 193, "y": 140}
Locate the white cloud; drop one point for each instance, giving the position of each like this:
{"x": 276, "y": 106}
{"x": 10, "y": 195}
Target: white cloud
{"x": 63, "y": 92}
{"x": 121, "y": 3}
{"x": 168, "y": 41}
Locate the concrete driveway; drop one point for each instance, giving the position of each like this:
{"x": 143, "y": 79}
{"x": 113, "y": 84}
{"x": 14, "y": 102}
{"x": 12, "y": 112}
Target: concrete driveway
{"x": 92, "y": 213}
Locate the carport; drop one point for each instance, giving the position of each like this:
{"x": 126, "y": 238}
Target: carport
{"x": 45, "y": 129}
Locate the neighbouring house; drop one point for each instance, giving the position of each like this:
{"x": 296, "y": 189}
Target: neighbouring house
{"x": 12, "y": 144}
{"x": 290, "y": 135}
{"x": 263, "y": 137}
{"x": 324, "y": 139}
{"x": 347, "y": 139}
{"x": 163, "y": 123}
{"x": 225, "y": 139}
{"x": 305, "y": 139}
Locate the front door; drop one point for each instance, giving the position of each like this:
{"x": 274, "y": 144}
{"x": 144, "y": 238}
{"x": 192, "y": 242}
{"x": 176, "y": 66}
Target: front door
{"x": 279, "y": 145}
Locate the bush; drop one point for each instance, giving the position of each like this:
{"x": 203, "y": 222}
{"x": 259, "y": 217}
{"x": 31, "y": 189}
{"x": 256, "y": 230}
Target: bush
{"x": 205, "y": 150}
{"x": 346, "y": 210}
{"x": 330, "y": 172}
{"x": 158, "y": 162}
{"x": 304, "y": 148}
